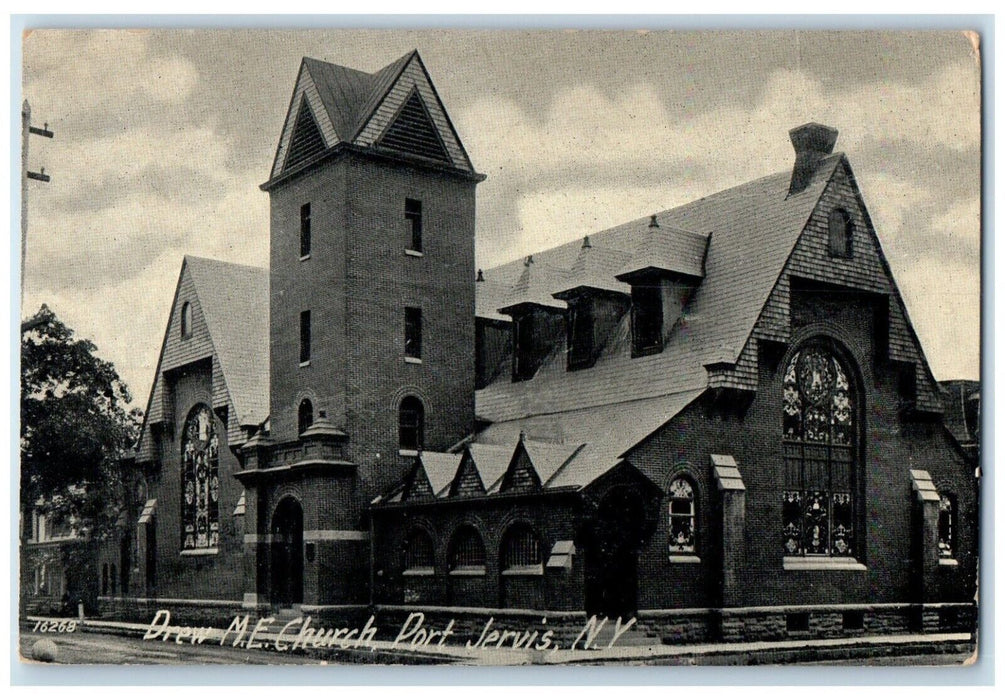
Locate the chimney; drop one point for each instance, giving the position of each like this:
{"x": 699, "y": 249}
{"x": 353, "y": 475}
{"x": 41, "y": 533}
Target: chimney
{"x": 813, "y": 142}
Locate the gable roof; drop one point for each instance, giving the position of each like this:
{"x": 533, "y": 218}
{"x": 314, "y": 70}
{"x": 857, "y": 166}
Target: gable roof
{"x": 356, "y": 108}
{"x": 491, "y": 462}
{"x": 752, "y": 228}
{"x": 440, "y": 468}
{"x": 233, "y": 303}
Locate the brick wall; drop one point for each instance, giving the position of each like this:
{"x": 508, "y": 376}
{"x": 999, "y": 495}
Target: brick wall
{"x": 382, "y": 280}
{"x": 892, "y": 444}
{"x": 552, "y": 519}
{"x": 211, "y": 576}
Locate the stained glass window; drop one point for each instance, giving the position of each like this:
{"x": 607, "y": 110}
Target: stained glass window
{"x": 682, "y": 517}
{"x": 200, "y": 509}
{"x": 947, "y": 526}
{"x": 818, "y": 425}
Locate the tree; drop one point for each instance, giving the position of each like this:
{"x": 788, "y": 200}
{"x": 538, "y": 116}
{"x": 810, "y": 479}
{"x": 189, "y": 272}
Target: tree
{"x": 76, "y": 426}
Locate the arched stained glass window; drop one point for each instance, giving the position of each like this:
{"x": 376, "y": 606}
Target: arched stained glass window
{"x": 200, "y": 509}
{"x": 818, "y": 424}
{"x": 682, "y": 517}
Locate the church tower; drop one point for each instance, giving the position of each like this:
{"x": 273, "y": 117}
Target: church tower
{"x": 372, "y": 307}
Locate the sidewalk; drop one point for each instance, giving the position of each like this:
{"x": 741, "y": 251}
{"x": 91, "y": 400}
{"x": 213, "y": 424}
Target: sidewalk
{"x": 783, "y": 651}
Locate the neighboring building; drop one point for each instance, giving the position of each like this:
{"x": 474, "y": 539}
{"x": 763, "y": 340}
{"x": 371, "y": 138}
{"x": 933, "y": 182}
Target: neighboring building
{"x": 57, "y": 565}
{"x": 718, "y": 416}
{"x": 961, "y": 399}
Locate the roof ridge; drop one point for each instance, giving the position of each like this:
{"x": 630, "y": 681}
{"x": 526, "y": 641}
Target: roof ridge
{"x": 216, "y": 261}
{"x": 383, "y": 80}
{"x": 830, "y": 161}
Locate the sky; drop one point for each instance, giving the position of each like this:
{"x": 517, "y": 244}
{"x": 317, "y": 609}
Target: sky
{"x": 162, "y": 138}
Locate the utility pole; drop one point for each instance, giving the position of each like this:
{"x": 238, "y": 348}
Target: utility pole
{"x": 26, "y": 130}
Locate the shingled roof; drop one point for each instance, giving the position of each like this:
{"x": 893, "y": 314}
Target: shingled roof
{"x": 752, "y": 230}
{"x": 235, "y": 300}
{"x": 350, "y": 95}
{"x": 738, "y": 239}
{"x": 353, "y": 109}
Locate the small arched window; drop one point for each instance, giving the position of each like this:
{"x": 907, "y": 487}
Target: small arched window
{"x": 521, "y": 549}
{"x": 419, "y": 552}
{"x": 411, "y": 423}
{"x": 947, "y": 526}
{"x": 683, "y": 530}
{"x": 840, "y": 228}
{"x": 305, "y": 416}
{"x": 186, "y": 320}
{"x": 467, "y": 552}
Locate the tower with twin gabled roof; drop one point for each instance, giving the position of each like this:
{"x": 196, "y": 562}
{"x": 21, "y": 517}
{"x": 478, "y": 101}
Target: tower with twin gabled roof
{"x": 372, "y": 308}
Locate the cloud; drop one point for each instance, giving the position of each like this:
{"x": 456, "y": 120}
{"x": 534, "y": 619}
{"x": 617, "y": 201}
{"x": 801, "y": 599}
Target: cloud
{"x": 595, "y": 158}
{"x": 114, "y": 71}
{"x": 145, "y": 193}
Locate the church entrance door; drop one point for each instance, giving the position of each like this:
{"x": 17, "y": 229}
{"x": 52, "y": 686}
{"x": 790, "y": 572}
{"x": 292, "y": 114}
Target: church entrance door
{"x": 288, "y": 553}
{"x": 612, "y": 548}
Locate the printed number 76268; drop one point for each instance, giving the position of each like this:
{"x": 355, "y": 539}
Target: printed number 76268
{"x": 55, "y": 626}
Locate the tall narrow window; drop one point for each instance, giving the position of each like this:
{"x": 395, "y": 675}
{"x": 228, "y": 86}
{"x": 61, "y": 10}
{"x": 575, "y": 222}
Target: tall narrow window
{"x": 840, "y": 229}
{"x": 413, "y": 333}
{"x": 682, "y": 517}
{"x": 411, "y": 419}
{"x": 305, "y": 336}
{"x": 467, "y": 552}
{"x": 305, "y": 230}
{"x": 947, "y": 526}
{"x": 647, "y": 319}
{"x": 819, "y": 447}
{"x": 200, "y": 508}
{"x": 305, "y": 416}
{"x": 186, "y": 320}
{"x": 580, "y": 335}
{"x": 521, "y": 550}
{"x": 413, "y": 215}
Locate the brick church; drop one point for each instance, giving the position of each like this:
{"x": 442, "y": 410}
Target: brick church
{"x": 718, "y": 417}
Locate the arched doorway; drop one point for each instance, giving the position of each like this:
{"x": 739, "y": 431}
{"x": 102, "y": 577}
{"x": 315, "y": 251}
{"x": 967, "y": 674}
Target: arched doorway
{"x": 612, "y": 541}
{"x": 288, "y": 553}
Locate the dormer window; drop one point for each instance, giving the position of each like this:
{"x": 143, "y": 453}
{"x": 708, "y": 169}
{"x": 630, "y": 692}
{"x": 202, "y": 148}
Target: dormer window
{"x": 840, "y": 230}
{"x": 647, "y": 319}
{"x": 580, "y": 334}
